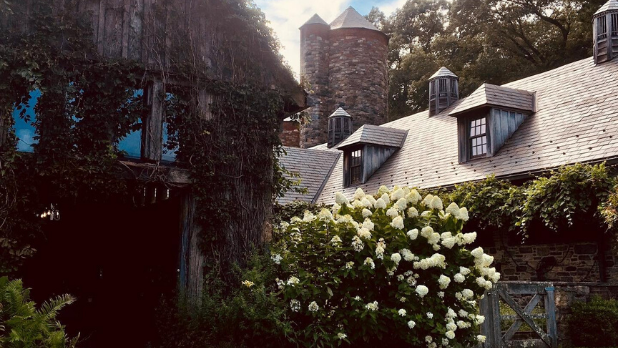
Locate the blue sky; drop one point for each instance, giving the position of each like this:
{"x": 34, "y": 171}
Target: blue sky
{"x": 286, "y": 16}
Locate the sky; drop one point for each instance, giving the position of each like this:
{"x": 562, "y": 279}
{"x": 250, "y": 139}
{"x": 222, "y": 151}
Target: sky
{"x": 286, "y": 16}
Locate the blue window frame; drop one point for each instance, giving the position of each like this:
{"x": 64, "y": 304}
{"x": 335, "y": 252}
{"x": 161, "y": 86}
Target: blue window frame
{"x": 24, "y": 125}
{"x": 131, "y": 144}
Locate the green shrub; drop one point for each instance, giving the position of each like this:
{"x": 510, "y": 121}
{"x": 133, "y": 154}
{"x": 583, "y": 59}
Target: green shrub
{"x": 243, "y": 310}
{"x": 24, "y": 326}
{"x": 377, "y": 272}
{"x": 594, "y": 323}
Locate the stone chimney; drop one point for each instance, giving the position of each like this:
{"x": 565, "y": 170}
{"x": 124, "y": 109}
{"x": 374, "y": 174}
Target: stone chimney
{"x": 605, "y": 32}
{"x": 443, "y": 90}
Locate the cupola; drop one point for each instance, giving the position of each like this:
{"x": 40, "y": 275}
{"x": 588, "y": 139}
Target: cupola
{"x": 605, "y": 32}
{"x": 443, "y": 90}
{"x": 339, "y": 127}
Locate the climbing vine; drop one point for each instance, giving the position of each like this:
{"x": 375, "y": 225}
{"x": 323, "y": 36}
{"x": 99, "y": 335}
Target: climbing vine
{"x": 89, "y": 102}
{"x": 569, "y": 195}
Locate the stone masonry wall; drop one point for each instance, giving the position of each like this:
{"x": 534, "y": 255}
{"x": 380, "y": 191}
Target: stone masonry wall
{"x": 314, "y": 61}
{"x": 290, "y": 134}
{"x": 358, "y": 77}
{"x": 347, "y": 68}
{"x": 565, "y": 262}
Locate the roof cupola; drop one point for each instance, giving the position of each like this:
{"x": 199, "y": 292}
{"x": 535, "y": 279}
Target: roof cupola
{"x": 443, "y": 90}
{"x": 339, "y": 127}
{"x": 605, "y": 32}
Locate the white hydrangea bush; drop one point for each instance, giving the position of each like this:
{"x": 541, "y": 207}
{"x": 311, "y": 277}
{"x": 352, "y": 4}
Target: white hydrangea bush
{"x": 391, "y": 268}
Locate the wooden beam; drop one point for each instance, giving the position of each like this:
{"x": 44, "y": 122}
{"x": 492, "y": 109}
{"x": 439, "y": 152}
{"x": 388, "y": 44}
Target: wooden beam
{"x": 152, "y": 137}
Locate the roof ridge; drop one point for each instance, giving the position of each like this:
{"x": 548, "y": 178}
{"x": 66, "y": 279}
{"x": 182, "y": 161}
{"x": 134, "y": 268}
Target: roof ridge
{"x": 350, "y": 18}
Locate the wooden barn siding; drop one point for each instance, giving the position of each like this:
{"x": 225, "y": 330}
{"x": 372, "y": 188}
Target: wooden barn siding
{"x": 501, "y": 128}
{"x": 373, "y": 158}
{"x": 192, "y": 261}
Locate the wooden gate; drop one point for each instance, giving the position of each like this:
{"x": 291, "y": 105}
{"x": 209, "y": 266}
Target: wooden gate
{"x": 500, "y": 334}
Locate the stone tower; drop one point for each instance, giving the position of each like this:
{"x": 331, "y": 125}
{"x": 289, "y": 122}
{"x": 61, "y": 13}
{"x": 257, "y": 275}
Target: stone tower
{"x": 343, "y": 64}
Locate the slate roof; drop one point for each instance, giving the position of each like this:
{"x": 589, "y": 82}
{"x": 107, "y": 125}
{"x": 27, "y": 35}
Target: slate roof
{"x": 492, "y": 95}
{"x": 351, "y": 19}
{"x": 376, "y": 135}
{"x": 314, "y": 167}
{"x": 443, "y": 71}
{"x": 611, "y": 5}
{"x": 576, "y": 120}
{"x": 339, "y": 112}
{"x": 315, "y": 19}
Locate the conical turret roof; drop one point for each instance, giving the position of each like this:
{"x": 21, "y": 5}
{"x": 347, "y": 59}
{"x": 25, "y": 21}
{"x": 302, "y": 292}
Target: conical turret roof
{"x": 350, "y": 18}
{"x": 339, "y": 112}
{"x": 315, "y": 20}
{"x": 608, "y": 6}
{"x": 442, "y": 73}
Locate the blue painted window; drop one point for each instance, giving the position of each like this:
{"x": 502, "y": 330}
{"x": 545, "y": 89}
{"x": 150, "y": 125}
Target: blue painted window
{"x": 131, "y": 144}
{"x": 24, "y": 125}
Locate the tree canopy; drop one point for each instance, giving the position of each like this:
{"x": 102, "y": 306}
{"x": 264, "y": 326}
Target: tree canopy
{"x": 493, "y": 41}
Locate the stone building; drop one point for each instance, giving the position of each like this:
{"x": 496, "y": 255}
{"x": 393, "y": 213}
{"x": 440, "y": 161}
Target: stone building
{"x": 516, "y": 132}
{"x": 343, "y": 64}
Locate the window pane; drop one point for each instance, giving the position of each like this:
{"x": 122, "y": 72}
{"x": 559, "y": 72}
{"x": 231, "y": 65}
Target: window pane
{"x": 474, "y": 151}
{"x": 483, "y": 129}
{"x": 24, "y": 128}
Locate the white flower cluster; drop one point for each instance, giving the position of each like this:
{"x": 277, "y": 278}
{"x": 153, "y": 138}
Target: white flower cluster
{"x": 383, "y": 224}
{"x": 295, "y": 305}
{"x": 436, "y": 260}
{"x": 372, "y": 306}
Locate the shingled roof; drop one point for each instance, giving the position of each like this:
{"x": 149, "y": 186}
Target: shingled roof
{"x": 492, "y": 95}
{"x": 375, "y": 135}
{"x": 611, "y": 5}
{"x": 313, "y": 166}
{"x": 350, "y": 18}
{"x": 575, "y": 121}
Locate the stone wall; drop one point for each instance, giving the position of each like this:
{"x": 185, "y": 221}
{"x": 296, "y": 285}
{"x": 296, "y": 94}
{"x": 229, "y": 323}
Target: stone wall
{"x": 568, "y": 293}
{"x": 557, "y": 262}
{"x": 345, "y": 67}
{"x": 314, "y": 61}
{"x": 358, "y": 74}
{"x": 290, "y": 134}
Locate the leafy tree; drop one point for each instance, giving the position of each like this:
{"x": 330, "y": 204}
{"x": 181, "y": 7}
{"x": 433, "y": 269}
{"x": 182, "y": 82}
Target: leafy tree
{"x": 493, "y": 41}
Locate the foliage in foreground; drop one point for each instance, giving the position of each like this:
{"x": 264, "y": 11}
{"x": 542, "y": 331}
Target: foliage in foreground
{"x": 24, "y": 326}
{"x": 386, "y": 269}
{"x": 230, "y": 315}
{"x": 565, "y": 196}
{"x": 594, "y": 324}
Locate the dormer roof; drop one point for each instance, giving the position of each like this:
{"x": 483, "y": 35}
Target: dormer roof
{"x": 375, "y": 135}
{"x": 611, "y": 5}
{"x": 315, "y": 20}
{"x": 492, "y": 95}
{"x": 350, "y": 18}
{"x": 443, "y": 72}
{"x": 573, "y": 123}
{"x": 339, "y": 113}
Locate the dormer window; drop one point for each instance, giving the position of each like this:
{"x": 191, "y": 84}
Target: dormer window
{"x": 366, "y": 150}
{"x": 356, "y": 160}
{"x": 478, "y": 137}
{"x": 488, "y": 117}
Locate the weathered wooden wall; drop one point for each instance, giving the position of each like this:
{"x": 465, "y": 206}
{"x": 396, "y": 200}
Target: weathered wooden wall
{"x": 199, "y": 36}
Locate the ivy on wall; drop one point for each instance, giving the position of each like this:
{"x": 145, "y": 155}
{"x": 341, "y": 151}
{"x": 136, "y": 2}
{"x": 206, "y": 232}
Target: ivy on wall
{"x": 89, "y": 102}
{"x": 558, "y": 200}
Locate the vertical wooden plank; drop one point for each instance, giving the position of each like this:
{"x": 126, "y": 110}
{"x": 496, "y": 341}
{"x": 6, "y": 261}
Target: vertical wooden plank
{"x": 126, "y": 28}
{"x": 487, "y": 326}
{"x": 136, "y": 13}
{"x": 497, "y": 332}
{"x": 191, "y": 259}
{"x": 462, "y": 134}
{"x": 101, "y": 26}
{"x": 550, "y": 309}
{"x": 152, "y": 134}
